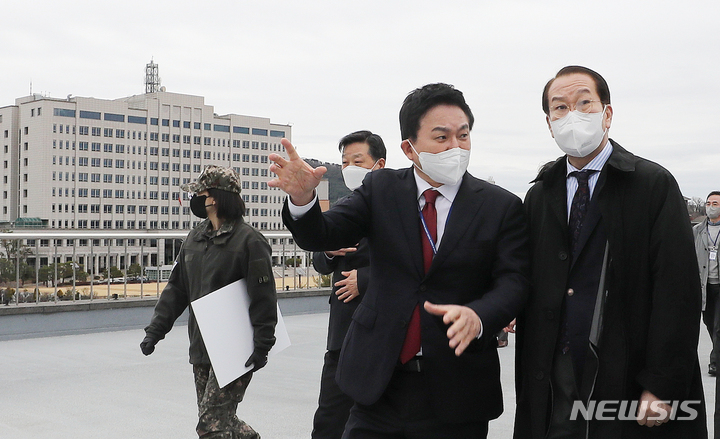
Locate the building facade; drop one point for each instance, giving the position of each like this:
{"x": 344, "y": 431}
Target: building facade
{"x": 84, "y": 163}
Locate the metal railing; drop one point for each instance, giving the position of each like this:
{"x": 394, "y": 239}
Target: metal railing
{"x": 283, "y": 247}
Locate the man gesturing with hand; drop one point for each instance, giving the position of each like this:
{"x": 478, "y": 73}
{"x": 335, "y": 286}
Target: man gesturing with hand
{"x": 448, "y": 270}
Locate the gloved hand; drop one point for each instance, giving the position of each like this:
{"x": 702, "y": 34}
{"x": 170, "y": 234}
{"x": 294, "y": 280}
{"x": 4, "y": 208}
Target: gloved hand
{"x": 147, "y": 346}
{"x": 258, "y": 360}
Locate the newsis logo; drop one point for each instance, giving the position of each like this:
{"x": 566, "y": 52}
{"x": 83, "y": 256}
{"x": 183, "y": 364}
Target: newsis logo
{"x": 609, "y": 410}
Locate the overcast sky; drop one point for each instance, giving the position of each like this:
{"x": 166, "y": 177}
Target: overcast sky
{"x": 332, "y": 67}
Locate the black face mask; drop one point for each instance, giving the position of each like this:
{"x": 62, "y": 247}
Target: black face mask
{"x": 198, "y": 207}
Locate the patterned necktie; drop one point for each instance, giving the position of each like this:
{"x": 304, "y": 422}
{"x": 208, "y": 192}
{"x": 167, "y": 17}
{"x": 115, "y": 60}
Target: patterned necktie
{"x": 412, "y": 339}
{"x": 579, "y": 205}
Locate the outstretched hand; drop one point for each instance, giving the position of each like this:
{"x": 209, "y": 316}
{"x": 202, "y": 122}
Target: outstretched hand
{"x": 295, "y": 177}
{"x": 464, "y": 324}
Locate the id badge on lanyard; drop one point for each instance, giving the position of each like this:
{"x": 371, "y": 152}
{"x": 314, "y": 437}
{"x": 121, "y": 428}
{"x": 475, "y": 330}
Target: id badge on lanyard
{"x": 713, "y": 248}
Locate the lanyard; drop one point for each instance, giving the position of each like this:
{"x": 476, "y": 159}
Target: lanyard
{"x": 714, "y": 241}
{"x": 427, "y": 231}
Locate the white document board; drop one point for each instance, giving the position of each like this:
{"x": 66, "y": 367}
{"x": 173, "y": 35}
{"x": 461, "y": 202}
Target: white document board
{"x": 225, "y": 326}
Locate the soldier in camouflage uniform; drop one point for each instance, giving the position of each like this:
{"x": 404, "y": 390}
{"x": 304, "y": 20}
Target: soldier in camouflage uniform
{"x": 220, "y": 250}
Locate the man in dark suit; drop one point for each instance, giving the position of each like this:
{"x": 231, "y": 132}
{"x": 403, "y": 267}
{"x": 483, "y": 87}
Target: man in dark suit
{"x": 607, "y": 345}
{"x": 362, "y": 152}
{"x": 448, "y": 269}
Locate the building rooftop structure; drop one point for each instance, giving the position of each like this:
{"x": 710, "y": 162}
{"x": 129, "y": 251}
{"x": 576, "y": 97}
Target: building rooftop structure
{"x": 100, "y": 385}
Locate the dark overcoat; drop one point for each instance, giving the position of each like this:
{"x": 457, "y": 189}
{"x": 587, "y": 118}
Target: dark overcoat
{"x": 651, "y": 318}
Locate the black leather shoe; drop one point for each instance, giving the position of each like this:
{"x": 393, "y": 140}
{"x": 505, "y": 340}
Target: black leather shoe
{"x": 712, "y": 370}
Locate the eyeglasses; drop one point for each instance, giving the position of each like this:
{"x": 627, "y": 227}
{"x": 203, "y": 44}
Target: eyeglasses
{"x": 559, "y": 110}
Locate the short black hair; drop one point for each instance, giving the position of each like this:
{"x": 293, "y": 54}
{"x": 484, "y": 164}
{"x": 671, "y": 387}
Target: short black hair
{"x": 600, "y": 84}
{"x": 376, "y": 146}
{"x": 229, "y": 205}
{"x": 422, "y": 100}
{"x": 711, "y": 194}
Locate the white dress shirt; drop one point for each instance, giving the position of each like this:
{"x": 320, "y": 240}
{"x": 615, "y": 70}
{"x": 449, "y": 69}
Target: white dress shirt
{"x": 443, "y": 203}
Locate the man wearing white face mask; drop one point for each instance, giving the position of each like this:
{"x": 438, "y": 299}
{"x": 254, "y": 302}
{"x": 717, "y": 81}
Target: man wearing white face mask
{"x": 362, "y": 152}
{"x": 448, "y": 270}
{"x": 613, "y": 318}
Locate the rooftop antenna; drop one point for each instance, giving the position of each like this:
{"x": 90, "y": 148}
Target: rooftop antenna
{"x": 31, "y": 87}
{"x": 152, "y": 78}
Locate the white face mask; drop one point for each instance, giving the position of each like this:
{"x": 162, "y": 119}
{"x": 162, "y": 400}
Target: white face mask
{"x": 579, "y": 134}
{"x": 354, "y": 175}
{"x": 712, "y": 211}
{"x": 447, "y": 167}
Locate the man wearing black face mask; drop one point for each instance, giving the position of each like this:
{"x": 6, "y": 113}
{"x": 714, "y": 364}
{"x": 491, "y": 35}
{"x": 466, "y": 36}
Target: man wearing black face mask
{"x": 219, "y": 251}
{"x": 607, "y": 346}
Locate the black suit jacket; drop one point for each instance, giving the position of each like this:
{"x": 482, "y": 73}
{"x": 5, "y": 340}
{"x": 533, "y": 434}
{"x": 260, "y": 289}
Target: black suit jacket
{"x": 341, "y": 312}
{"x": 482, "y": 263}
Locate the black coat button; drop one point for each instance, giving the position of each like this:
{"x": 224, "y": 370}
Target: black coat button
{"x": 563, "y": 255}
{"x": 539, "y": 375}
{"x": 423, "y": 288}
{"x": 550, "y": 315}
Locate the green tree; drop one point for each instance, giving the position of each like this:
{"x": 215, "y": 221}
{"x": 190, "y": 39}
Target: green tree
{"x": 7, "y": 271}
{"x": 134, "y": 270}
{"x": 293, "y": 262}
{"x": 10, "y": 249}
{"x": 114, "y": 272}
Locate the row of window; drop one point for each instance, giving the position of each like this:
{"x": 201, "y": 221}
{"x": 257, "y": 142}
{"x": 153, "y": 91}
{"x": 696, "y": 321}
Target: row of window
{"x": 145, "y": 225}
{"x": 121, "y": 193}
{"x": 143, "y": 210}
{"x": 63, "y": 112}
{"x": 131, "y": 242}
{"x": 120, "y": 148}
{"x": 163, "y": 210}
{"x": 121, "y": 163}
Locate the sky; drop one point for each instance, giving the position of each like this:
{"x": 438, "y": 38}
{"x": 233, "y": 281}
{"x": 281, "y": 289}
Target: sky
{"x": 331, "y": 67}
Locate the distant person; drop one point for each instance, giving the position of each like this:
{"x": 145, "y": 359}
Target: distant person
{"x": 362, "y": 152}
{"x": 612, "y": 323}
{"x": 448, "y": 270}
{"x": 706, "y": 246}
{"x": 217, "y": 252}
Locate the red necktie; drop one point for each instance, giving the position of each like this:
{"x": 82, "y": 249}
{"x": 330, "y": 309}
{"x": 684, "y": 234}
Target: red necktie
{"x": 412, "y": 339}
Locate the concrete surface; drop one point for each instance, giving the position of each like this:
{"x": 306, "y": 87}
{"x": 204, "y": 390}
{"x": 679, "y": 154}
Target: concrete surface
{"x": 99, "y": 385}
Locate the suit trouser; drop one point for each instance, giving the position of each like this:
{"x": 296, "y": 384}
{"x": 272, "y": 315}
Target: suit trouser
{"x": 333, "y": 405}
{"x": 711, "y": 318}
{"x": 405, "y": 411}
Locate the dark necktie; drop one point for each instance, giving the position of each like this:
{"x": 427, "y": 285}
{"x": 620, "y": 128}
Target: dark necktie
{"x": 412, "y": 338}
{"x": 579, "y": 205}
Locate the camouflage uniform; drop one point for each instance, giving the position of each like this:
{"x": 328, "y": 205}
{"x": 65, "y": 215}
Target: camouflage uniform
{"x": 208, "y": 260}
{"x": 217, "y": 407}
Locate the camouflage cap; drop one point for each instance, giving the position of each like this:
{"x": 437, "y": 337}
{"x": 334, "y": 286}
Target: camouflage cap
{"x": 217, "y": 177}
